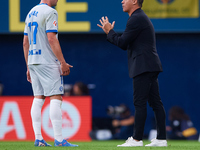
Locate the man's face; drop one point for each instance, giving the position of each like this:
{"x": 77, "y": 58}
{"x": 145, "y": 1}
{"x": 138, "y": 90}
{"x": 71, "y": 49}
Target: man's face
{"x": 127, "y": 5}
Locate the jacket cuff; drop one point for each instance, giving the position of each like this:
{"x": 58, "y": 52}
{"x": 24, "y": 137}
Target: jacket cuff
{"x": 109, "y": 35}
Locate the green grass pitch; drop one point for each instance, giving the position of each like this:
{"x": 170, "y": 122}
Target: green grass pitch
{"x": 100, "y": 145}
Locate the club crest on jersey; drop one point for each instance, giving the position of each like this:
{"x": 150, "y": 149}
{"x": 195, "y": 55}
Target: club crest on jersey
{"x": 55, "y": 23}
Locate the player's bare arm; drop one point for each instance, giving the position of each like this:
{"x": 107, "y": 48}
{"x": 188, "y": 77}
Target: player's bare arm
{"x": 55, "y": 46}
{"x": 105, "y": 24}
{"x": 26, "y": 50}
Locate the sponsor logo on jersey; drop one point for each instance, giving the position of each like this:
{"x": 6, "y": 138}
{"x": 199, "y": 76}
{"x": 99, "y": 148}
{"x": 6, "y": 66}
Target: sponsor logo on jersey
{"x": 34, "y": 52}
{"x": 55, "y": 23}
{"x": 165, "y": 1}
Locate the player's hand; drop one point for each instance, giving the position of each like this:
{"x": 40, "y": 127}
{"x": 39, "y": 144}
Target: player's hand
{"x": 28, "y": 76}
{"x": 65, "y": 68}
{"x": 106, "y": 25}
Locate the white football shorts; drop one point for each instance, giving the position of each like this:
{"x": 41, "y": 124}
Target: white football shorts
{"x": 46, "y": 79}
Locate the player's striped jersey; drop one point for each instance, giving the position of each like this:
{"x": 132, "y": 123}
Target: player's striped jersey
{"x": 40, "y": 20}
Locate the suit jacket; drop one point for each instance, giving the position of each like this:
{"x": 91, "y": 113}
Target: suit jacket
{"x": 139, "y": 41}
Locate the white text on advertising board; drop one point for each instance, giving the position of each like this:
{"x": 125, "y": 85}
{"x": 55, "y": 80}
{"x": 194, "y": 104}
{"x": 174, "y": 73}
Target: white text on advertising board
{"x": 11, "y": 109}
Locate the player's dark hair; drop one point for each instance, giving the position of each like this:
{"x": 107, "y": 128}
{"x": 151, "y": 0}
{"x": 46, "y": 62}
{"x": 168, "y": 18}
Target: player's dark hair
{"x": 140, "y": 2}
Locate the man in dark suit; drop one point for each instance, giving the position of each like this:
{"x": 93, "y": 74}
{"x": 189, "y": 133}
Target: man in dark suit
{"x": 144, "y": 66}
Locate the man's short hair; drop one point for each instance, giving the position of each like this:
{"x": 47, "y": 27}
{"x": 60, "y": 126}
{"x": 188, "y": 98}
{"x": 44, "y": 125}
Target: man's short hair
{"x": 140, "y": 2}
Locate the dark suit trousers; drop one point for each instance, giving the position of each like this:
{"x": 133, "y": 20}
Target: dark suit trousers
{"x": 145, "y": 88}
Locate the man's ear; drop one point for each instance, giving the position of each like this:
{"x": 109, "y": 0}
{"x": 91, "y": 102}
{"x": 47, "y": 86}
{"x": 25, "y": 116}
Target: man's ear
{"x": 134, "y": 2}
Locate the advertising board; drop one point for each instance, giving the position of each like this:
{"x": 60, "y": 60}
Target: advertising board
{"x": 16, "y": 124}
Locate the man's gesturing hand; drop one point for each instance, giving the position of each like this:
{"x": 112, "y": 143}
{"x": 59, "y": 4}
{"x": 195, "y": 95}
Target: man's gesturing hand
{"x": 105, "y": 24}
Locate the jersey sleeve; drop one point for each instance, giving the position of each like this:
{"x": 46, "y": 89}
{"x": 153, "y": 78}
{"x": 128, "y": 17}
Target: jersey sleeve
{"x": 52, "y": 22}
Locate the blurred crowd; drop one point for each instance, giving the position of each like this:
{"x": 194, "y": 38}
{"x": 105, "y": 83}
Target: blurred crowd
{"x": 180, "y": 125}
{"x": 78, "y": 89}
